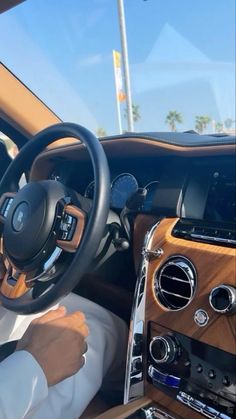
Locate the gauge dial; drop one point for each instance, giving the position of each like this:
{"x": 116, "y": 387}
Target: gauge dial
{"x": 89, "y": 191}
{"x": 122, "y": 187}
{"x": 151, "y": 188}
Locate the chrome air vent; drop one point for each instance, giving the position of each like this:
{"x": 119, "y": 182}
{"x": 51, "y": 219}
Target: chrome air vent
{"x": 175, "y": 283}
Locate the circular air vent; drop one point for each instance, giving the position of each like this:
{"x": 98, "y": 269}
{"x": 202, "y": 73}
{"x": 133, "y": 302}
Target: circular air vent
{"x": 175, "y": 283}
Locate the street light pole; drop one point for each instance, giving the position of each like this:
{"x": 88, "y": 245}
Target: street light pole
{"x": 124, "y": 49}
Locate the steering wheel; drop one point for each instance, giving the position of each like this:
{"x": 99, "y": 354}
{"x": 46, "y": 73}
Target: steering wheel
{"x": 44, "y": 222}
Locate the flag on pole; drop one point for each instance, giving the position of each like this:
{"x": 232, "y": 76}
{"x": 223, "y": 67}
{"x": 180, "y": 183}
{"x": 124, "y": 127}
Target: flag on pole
{"x": 121, "y": 97}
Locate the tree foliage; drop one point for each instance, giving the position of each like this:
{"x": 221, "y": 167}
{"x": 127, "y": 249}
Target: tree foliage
{"x": 172, "y": 118}
{"x": 101, "y": 132}
{"x": 201, "y": 122}
{"x": 136, "y": 113}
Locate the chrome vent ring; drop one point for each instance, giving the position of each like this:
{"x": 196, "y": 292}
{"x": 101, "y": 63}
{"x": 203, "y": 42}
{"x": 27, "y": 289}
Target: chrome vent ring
{"x": 175, "y": 283}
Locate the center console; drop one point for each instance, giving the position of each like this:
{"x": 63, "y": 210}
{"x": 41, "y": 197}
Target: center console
{"x": 198, "y": 375}
{"x": 182, "y": 337}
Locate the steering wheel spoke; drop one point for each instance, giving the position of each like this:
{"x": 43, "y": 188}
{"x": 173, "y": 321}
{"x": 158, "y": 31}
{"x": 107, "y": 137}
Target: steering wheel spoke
{"x": 5, "y": 203}
{"x": 71, "y": 228}
{"x": 13, "y": 284}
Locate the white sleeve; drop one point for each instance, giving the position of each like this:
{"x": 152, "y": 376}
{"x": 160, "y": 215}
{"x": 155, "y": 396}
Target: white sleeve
{"x": 23, "y": 385}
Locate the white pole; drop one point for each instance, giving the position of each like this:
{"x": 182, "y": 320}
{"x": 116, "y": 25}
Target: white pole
{"x": 124, "y": 49}
{"x": 117, "y": 95}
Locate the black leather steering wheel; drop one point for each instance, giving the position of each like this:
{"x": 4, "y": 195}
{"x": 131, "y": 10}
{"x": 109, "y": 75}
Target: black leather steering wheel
{"x": 43, "y": 222}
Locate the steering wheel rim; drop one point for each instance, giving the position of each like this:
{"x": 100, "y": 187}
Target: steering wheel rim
{"x": 97, "y": 219}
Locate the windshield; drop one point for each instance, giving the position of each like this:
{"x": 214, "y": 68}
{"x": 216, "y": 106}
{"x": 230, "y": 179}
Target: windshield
{"x": 181, "y": 61}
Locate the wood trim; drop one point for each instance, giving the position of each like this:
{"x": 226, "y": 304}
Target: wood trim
{"x": 215, "y": 265}
{"x": 72, "y": 245}
{"x": 19, "y": 288}
{"x": 124, "y": 410}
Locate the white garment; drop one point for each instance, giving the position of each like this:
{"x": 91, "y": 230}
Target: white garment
{"x": 23, "y": 387}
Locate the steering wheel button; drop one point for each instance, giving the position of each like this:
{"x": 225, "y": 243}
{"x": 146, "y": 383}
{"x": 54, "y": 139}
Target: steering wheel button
{"x": 226, "y": 381}
{"x": 65, "y": 227}
{"x": 72, "y": 228}
{"x": 66, "y": 223}
{"x": 199, "y": 368}
{"x": 68, "y": 219}
{"x": 64, "y": 235}
{"x": 212, "y": 374}
{"x": 6, "y": 206}
{"x": 7, "y": 209}
{"x": 3, "y": 208}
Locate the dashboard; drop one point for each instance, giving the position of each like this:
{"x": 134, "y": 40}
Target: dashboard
{"x": 127, "y": 176}
{"x": 182, "y": 345}
{"x": 193, "y": 188}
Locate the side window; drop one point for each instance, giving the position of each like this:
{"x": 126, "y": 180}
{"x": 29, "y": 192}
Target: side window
{"x": 11, "y": 147}
{"x": 8, "y": 151}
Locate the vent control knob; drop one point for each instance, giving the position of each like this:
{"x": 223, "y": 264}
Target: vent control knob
{"x": 163, "y": 349}
{"x": 223, "y": 299}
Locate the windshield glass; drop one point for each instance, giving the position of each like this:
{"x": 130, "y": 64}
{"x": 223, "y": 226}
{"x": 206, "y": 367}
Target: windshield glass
{"x": 181, "y": 60}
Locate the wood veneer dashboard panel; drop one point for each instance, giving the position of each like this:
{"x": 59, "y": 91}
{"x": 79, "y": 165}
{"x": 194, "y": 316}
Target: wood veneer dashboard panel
{"x": 215, "y": 265}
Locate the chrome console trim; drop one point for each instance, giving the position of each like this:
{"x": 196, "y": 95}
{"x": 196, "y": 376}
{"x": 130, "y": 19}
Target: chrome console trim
{"x": 187, "y": 267}
{"x": 201, "y": 407}
{"x": 155, "y": 413}
{"x": 166, "y": 355}
{"x": 134, "y": 379}
{"x": 231, "y": 307}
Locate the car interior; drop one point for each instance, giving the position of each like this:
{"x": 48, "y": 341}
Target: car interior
{"x": 142, "y": 224}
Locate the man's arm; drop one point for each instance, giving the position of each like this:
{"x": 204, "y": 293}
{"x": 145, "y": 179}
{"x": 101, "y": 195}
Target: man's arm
{"x": 51, "y": 350}
{"x": 23, "y": 385}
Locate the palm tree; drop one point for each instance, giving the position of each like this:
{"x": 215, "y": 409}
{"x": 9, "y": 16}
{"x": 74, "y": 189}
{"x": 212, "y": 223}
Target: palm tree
{"x": 136, "y": 113}
{"x": 101, "y": 132}
{"x": 172, "y": 118}
{"x": 201, "y": 122}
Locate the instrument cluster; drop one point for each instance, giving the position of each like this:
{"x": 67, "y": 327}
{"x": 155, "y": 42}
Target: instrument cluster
{"x": 123, "y": 187}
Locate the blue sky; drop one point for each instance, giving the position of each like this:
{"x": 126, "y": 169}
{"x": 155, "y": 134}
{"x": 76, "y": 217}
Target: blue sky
{"x": 182, "y": 57}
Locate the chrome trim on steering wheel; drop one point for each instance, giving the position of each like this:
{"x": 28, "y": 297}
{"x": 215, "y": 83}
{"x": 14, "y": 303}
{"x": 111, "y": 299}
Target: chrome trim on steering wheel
{"x": 48, "y": 268}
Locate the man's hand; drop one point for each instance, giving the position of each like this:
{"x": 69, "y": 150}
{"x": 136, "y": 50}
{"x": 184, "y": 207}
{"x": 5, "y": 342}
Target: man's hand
{"x": 57, "y": 342}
